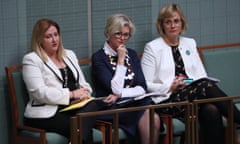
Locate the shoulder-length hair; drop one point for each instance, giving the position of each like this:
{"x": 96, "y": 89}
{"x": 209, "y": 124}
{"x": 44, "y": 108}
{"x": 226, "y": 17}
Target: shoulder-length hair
{"x": 38, "y": 32}
{"x": 167, "y": 12}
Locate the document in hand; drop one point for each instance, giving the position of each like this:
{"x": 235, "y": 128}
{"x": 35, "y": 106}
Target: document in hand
{"x": 154, "y": 95}
{"x": 151, "y": 94}
{"x": 80, "y": 103}
{"x": 215, "y": 80}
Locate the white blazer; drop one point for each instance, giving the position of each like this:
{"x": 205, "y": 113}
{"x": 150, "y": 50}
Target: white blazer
{"x": 45, "y": 89}
{"x": 158, "y": 63}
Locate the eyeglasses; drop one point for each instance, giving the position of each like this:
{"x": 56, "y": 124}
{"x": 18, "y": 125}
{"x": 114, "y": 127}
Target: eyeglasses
{"x": 120, "y": 35}
{"x": 171, "y": 22}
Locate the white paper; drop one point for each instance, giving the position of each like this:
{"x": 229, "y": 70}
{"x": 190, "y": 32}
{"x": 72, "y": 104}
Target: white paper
{"x": 152, "y": 94}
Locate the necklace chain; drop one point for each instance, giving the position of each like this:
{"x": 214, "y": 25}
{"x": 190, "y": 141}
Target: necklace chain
{"x": 65, "y": 77}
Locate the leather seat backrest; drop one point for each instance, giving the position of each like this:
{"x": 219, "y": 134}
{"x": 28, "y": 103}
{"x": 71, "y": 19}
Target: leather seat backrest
{"x": 21, "y": 93}
{"x": 223, "y": 63}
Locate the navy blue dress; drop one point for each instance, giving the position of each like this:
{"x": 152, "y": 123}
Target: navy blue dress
{"x": 103, "y": 72}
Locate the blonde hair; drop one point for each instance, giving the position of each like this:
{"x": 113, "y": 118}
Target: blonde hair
{"x": 167, "y": 12}
{"x": 116, "y": 22}
{"x": 38, "y": 32}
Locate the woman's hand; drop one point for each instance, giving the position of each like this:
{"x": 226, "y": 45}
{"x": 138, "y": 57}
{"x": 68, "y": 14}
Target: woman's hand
{"x": 177, "y": 84}
{"x": 121, "y": 52}
{"x": 111, "y": 99}
{"x": 81, "y": 93}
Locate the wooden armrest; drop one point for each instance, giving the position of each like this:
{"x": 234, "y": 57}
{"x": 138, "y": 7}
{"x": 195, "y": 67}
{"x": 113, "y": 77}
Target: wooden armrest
{"x": 101, "y": 122}
{"x": 106, "y": 128}
{"x": 23, "y": 127}
{"x": 167, "y": 120}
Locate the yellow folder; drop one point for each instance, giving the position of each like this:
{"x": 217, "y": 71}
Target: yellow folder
{"x": 79, "y": 103}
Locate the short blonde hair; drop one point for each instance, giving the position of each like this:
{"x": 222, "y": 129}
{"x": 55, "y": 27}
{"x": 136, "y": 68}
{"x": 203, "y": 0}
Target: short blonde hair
{"x": 38, "y": 32}
{"x": 116, "y": 22}
{"x": 167, "y": 12}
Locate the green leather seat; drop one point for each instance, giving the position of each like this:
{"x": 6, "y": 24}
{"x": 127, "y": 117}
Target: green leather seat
{"x": 19, "y": 92}
{"x": 223, "y": 63}
{"x": 178, "y": 127}
{"x": 18, "y": 100}
{"x": 51, "y": 138}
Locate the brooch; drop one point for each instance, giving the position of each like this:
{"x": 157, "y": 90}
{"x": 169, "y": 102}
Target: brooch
{"x": 187, "y": 52}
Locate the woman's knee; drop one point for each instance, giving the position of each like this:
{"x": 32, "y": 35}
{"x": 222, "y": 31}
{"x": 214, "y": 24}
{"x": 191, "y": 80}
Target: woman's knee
{"x": 146, "y": 118}
{"x": 209, "y": 108}
{"x": 209, "y": 112}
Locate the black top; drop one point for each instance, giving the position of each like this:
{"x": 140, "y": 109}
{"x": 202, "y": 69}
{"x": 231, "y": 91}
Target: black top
{"x": 179, "y": 65}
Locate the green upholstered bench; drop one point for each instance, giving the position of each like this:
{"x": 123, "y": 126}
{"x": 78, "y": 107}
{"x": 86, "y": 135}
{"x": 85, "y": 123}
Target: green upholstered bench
{"x": 222, "y": 62}
{"x": 51, "y": 137}
{"x": 18, "y": 100}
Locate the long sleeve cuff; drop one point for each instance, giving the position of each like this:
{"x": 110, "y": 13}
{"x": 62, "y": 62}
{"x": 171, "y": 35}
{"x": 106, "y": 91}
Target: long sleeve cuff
{"x": 133, "y": 92}
{"x": 117, "y": 82}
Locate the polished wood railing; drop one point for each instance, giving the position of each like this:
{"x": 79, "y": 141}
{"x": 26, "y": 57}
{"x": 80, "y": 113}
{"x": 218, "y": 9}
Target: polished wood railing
{"x": 230, "y": 137}
{"x": 202, "y": 48}
{"x": 191, "y": 119}
{"x": 192, "y": 125}
{"x": 77, "y": 122}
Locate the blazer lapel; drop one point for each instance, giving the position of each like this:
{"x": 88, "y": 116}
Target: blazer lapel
{"x": 54, "y": 69}
{"x": 71, "y": 66}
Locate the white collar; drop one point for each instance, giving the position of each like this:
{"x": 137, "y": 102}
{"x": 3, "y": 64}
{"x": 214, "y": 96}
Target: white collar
{"x": 108, "y": 50}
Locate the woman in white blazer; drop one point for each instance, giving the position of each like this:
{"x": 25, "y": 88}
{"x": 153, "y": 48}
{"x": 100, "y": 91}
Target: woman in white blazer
{"x": 53, "y": 79}
{"x": 169, "y": 60}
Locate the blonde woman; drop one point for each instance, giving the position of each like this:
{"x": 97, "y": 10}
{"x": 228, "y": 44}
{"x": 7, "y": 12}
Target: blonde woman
{"x": 53, "y": 79}
{"x": 117, "y": 73}
{"x": 172, "y": 58}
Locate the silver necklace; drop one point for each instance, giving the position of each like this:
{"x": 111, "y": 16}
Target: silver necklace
{"x": 65, "y": 77}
